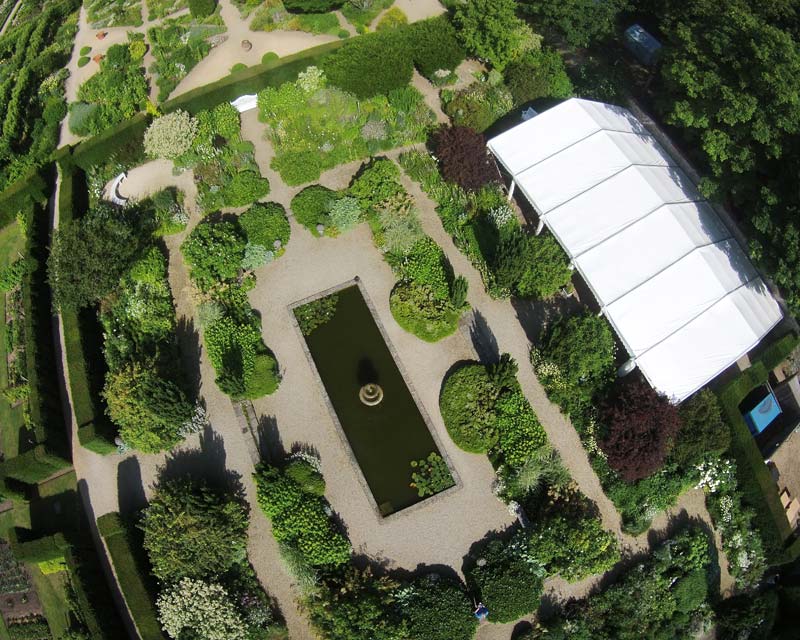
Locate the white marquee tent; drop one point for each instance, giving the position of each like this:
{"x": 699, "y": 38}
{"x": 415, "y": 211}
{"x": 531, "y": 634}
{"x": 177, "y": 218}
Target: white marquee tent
{"x": 675, "y": 285}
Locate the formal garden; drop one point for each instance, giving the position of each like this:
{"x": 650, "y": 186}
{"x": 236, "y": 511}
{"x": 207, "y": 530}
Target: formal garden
{"x": 169, "y": 340}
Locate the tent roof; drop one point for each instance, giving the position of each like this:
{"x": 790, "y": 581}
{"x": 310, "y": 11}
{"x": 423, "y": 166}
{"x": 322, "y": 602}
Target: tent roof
{"x": 680, "y": 292}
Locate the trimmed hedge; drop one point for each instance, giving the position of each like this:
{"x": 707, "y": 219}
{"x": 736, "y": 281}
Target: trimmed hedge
{"x": 98, "y": 149}
{"x": 40, "y": 550}
{"x": 44, "y": 398}
{"x": 34, "y": 466}
{"x": 759, "y": 490}
{"x": 24, "y": 193}
{"x": 249, "y": 81}
{"x": 93, "y": 597}
{"x": 131, "y": 580}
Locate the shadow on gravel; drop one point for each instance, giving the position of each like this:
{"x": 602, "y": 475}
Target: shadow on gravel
{"x": 130, "y": 489}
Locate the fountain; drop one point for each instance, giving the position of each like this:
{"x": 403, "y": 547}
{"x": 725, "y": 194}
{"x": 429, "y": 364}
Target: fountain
{"x": 370, "y": 394}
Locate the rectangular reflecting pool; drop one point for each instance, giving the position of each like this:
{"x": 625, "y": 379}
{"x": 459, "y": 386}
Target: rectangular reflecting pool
{"x": 349, "y": 351}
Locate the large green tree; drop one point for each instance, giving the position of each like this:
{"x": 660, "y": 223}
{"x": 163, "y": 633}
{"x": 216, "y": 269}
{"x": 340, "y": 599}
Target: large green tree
{"x": 491, "y": 30}
{"x": 150, "y": 410}
{"x": 581, "y": 21}
{"x": 87, "y": 259}
{"x": 192, "y": 531}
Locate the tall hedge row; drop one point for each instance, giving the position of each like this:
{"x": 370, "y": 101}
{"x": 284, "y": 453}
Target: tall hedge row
{"x": 133, "y": 583}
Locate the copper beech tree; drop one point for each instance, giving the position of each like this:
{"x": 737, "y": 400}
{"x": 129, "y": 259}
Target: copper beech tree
{"x": 640, "y": 427}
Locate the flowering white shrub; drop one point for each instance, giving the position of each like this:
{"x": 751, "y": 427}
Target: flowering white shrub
{"x": 311, "y": 79}
{"x": 202, "y": 608}
{"x": 502, "y": 215}
{"x": 196, "y": 423}
{"x": 308, "y": 458}
{"x": 716, "y": 476}
{"x": 170, "y": 136}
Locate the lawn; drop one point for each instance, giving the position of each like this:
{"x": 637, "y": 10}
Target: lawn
{"x": 53, "y": 594}
{"x": 11, "y": 422}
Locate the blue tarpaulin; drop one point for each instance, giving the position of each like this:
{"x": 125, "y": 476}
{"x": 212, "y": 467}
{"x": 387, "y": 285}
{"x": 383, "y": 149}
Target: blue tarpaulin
{"x": 762, "y": 415}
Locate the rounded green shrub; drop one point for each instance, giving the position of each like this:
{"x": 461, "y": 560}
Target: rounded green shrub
{"x": 239, "y": 66}
{"x": 467, "y": 404}
{"x": 439, "y": 609}
{"x": 264, "y": 379}
{"x": 307, "y": 476}
{"x": 85, "y": 51}
{"x": 298, "y": 167}
{"x": 372, "y": 65}
{"x": 343, "y": 34}
{"x": 418, "y": 311}
{"x": 269, "y": 56}
{"x": 265, "y": 224}
{"x": 506, "y": 580}
{"x": 202, "y": 8}
{"x": 83, "y": 61}
{"x": 312, "y": 207}
{"x": 539, "y": 74}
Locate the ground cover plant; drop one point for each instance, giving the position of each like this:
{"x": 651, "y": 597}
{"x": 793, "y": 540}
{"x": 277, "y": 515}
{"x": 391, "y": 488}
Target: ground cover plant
{"x": 479, "y": 105}
{"x": 315, "y": 127}
{"x": 112, "y": 95}
{"x": 33, "y": 55}
{"x": 223, "y": 164}
{"x": 114, "y": 13}
{"x": 221, "y": 256}
{"x": 178, "y": 44}
{"x": 665, "y": 596}
{"x": 207, "y": 586}
{"x": 486, "y": 229}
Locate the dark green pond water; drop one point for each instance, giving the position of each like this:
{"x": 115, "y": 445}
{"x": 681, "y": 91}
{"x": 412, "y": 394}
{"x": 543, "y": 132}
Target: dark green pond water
{"x": 349, "y": 351}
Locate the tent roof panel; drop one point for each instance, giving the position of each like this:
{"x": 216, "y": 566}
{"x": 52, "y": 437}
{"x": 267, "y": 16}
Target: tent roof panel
{"x": 682, "y": 295}
{"x": 627, "y": 259}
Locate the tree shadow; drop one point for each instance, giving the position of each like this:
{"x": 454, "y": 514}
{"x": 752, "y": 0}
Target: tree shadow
{"x": 483, "y": 340}
{"x": 366, "y": 372}
{"x": 536, "y": 315}
{"x": 190, "y": 350}
{"x": 520, "y": 629}
{"x": 268, "y": 440}
{"x": 130, "y": 489}
{"x": 206, "y": 464}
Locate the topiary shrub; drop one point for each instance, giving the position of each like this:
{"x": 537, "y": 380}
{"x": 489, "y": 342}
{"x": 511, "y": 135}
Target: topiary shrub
{"x": 464, "y": 159}
{"x": 202, "y": 8}
{"x": 703, "y": 434}
{"x": 83, "y": 61}
{"x": 312, "y": 207}
{"x": 467, "y": 404}
{"x": 239, "y": 66}
{"x": 211, "y": 538}
{"x": 269, "y": 56}
{"x": 434, "y": 46}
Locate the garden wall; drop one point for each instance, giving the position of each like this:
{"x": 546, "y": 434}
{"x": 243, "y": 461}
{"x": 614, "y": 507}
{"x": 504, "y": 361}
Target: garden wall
{"x": 126, "y": 556}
